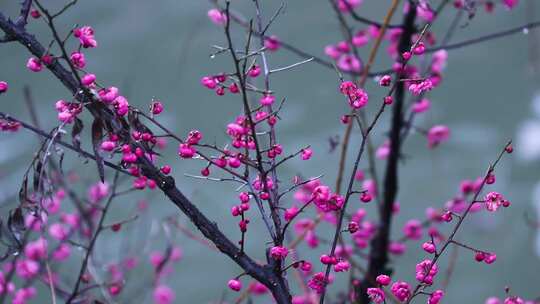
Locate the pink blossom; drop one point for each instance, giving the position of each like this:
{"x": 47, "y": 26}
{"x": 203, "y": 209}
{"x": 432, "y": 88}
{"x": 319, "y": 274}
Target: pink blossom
{"x": 370, "y": 186}
{"x": 235, "y": 284}
{"x": 234, "y": 129}
{"x": 267, "y": 100}
{"x": 51, "y": 204}
{"x": 349, "y": 63}
{"x": 163, "y": 295}
{"x": 425, "y": 12}
{"x": 261, "y": 115}
{"x": 438, "y": 61}
{"x": 23, "y": 295}
{"x": 321, "y": 194}
{"x": 317, "y": 282}
{"x": 342, "y": 266}
{"x": 108, "y": 145}
{"x": 36, "y": 250}
{"x": 176, "y": 254}
{"x": 209, "y": 82}
{"x": 418, "y": 88}
{"x": 78, "y": 60}
{"x": 156, "y": 258}
{"x": 360, "y": 39}
{"x": 429, "y": 247}
{"x": 401, "y": 290}
{"x": 516, "y": 300}
{"x": 492, "y": 300}
{"x": 217, "y": 17}
{"x": 436, "y": 297}
{"x": 98, "y": 191}
{"x": 121, "y": 105}
{"x": 510, "y": 3}
{"x": 347, "y": 5}
{"x": 376, "y": 295}
{"x": 258, "y": 185}
{"x": 385, "y": 80}
{"x": 34, "y": 64}
{"x": 359, "y": 99}
{"x": 311, "y": 239}
{"x": 257, "y": 288}
{"x": 332, "y": 52}
{"x": 396, "y": 248}
{"x": 383, "y": 151}
{"x": 86, "y": 36}
{"x": 3, "y": 87}
{"x": 156, "y": 107}
{"x": 254, "y": 71}
{"x": 421, "y": 106}
{"x": 490, "y": 258}
{"x": 493, "y": 201}
{"x": 58, "y": 231}
{"x": 35, "y": 222}
{"x": 108, "y": 95}
{"x": 88, "y": 79}
{"x": 279, "y": 252}
{"x": 291, "y": 213}
{"x": 194, "y": 137}
{"x": 413, "y": 229}
{"x": 306, "y": 153}
{"x": 35, "y": 13}
{"x": 62, "y": 252}
{"x": 383, "y": 279}
{"x": 272, "y": 43}
{"x": 26, "y": 268}
{"x": 426, "y": 271}
{"x": 437, "y": 134}
{"x": 420, "y": 48}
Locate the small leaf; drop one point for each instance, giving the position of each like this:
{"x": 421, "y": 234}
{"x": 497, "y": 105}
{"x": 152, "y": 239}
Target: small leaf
{"x": 37, "y": 176}
{"x": 16, "y": 224}
{"x": 134, "y": 121}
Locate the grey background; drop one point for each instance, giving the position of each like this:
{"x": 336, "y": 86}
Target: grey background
{"x": 160, "y": 49}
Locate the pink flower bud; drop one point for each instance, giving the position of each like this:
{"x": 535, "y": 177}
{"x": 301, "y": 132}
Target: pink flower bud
{"x": 385, "y": 81}
{"x": 383, "y": 279}
{"x": 88, "y": 79}
{"x": 235, "y": 285}
{"x": 34, "y": 64}
{"x": 78, "y": 59}
{"x": 3, "y": 87}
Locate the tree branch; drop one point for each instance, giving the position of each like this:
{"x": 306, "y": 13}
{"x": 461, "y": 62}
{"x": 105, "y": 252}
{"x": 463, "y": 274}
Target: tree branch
{"x": 166, "y": 183}
{"x": 378, "y": 257}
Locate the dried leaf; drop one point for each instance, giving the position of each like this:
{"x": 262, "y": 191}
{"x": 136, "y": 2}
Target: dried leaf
{"x": 78, "y": 126}
{"x": 23, "y": 192}
{"x": 37, "y": 175}
{"x": 97, "y": 135}
{"x": 16, "y": 224}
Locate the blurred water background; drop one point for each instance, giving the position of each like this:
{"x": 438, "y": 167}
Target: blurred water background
{"x": 160, "y": 49}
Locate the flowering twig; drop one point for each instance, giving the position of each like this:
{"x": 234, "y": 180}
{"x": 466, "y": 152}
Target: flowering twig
{"x": 450, "y": 239}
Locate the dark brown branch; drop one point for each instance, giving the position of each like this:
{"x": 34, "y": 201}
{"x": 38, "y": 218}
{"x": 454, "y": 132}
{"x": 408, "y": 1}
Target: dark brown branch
{"x": 378, "y": 257}
{"x": 23, "y": 16}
